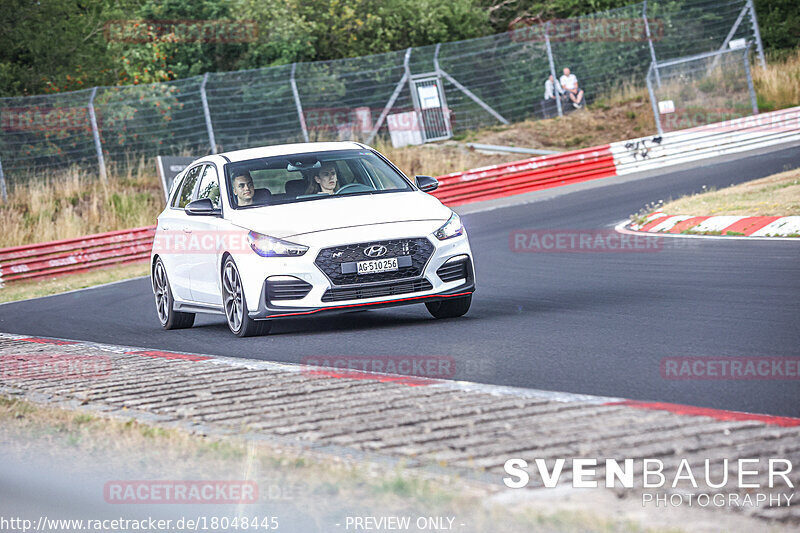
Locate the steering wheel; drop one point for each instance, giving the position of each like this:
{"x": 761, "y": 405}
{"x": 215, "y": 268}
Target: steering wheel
{"x": 355, "y": 187}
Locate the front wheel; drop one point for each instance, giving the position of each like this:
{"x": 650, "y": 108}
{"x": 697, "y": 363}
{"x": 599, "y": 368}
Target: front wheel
{"x": 235, "y": 306}
{"x": 451, "y": 308}
{"x": 167, "y": 316}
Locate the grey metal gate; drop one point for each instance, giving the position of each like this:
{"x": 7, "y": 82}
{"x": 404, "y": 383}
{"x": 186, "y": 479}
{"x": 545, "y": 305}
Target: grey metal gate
{"x": 431, "y": 107}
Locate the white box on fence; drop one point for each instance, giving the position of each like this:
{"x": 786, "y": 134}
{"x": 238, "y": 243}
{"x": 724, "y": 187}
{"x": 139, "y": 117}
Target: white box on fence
{"x": 737, "y": 43}
{"x": 666, "y": 106}
{"x": 405, "y": 129}
{"x": 429, "y": 97}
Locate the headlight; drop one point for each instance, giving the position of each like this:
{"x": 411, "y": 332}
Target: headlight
{"x": 452, "y": 228}
{"x": 267, "y": 246}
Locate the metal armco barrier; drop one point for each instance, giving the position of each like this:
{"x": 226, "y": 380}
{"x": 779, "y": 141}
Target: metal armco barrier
{"x": 75, "y": 255}
{"x": 527, "y": 175}
{"x": 711, "y": 140}
{"x": 624, "y": 157}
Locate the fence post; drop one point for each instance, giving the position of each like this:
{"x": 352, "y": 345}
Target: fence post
{"x": 735, "y": 27}
{"x": 757, "y": 32}
{"x": 3, "y": 191}
{"x": 552, "y": 68}
{"x": 653, "y": 100}
{"x": 650, "y": 42}
{"x": 445, "y": 109}
{"x": 207, "y": 114}
{"x": 96, "y": 134}
{"x": 411, "y": 86}
{"x": 298, "y": 104}
{"x": 392, "y": 99}
{"x": 753, "y": 99}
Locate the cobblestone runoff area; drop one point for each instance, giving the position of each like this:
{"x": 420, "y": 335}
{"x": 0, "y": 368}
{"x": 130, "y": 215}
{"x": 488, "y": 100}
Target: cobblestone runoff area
{"x": 467, "y": 429}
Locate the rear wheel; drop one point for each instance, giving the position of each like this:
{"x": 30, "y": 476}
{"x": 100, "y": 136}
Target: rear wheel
{"x": 235, "y": 306}
{"x": 450, "y": 308}
{"x": 167, "y": 316}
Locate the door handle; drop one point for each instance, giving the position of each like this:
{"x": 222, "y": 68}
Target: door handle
{"x": 187, "y": 229}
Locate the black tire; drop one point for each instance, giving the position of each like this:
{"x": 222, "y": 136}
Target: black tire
{"x": 235, "y": 306}
{"x": 451, "y": 308}
{"x": 167, "y": 316}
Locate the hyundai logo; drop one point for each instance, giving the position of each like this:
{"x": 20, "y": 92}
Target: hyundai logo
{"x": 376, "y": 250}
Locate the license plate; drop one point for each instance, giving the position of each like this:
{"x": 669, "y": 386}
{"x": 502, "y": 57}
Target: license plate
{"x": 377, "y": 265}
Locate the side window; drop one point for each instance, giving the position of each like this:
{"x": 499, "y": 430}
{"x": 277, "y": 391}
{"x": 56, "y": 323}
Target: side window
{"x": 209, "y": 185}
{"x": 187, "y": 187}
{"x": 345, "y": 173}
{"x": 176, "y": 181}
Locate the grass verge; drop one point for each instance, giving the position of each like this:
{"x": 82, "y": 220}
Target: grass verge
{"x": 776, "y": 195}
{"x": 778, "y": 86}
{"x": 23, "y": 290}
{"x": 74, "y": 203}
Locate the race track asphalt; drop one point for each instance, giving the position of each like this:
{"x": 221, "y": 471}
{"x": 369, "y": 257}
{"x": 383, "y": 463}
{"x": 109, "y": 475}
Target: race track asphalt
{"x": 592, "y": 323}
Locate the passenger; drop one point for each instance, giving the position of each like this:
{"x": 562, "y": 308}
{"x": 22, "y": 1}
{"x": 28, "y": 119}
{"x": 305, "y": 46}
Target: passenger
{"x": 325, "y": 180}
{"x": 243, "y": 188}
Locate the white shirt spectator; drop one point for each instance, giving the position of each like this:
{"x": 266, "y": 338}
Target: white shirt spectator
{"x": 569, "y": 82}
{"x": 550, "y": 89}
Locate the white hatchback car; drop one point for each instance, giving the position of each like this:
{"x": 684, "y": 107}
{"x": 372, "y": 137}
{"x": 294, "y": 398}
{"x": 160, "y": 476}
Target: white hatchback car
{"x": 301, "y": 229}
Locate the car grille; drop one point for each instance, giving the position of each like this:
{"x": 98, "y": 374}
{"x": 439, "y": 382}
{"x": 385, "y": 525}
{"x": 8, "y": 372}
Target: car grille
{"x": 293, "y": 289}
{"x": 453, "y": 271}
{"x": 378, "y": 290}
{"x": 418, "y": 250}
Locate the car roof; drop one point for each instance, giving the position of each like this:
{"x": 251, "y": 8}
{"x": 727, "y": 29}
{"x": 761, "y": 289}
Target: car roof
{"x": 287, "y": 149}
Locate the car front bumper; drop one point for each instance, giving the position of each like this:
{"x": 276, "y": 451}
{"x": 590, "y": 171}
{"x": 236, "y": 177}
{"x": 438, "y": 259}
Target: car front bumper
{"x": 427, "y": 285}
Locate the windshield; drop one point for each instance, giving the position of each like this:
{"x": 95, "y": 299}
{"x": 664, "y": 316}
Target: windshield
{"x": 309, "y": 177}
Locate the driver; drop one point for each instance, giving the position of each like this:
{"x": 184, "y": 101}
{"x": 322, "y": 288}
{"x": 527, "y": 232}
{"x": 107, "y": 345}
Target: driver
{"x": 243, "y": 188}
{"x": 325, "y": 181}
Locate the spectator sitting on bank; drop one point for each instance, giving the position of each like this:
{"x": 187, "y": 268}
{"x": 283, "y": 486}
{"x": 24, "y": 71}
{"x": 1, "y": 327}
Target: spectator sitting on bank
{"x": 570, "y": 85}
{"x": 550, "y": 88}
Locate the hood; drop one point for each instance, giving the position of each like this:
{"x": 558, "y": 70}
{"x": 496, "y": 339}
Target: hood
{"x": 289, "y": 220}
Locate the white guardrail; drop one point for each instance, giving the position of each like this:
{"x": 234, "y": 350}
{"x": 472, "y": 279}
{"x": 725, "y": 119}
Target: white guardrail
{"x": 712, "y": 140}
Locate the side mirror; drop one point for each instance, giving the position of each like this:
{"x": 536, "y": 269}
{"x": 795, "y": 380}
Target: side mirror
{"x": 202, "y": 207}
{"x": 427, "y": 183}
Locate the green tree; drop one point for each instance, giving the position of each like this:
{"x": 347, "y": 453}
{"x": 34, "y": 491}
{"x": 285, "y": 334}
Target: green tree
{"x": 53, "y": 45}
{"x": 299, "y": 30}
{"x": 779, "y": 21}
{"x": 188, "y": 50}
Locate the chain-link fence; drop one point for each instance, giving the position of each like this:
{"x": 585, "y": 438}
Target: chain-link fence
{"x": 702, "y": 89}
{"x": 431, "y": 91}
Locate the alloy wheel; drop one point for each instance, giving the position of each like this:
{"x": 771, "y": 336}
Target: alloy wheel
{"x": 234, "y": 308}
{"x": 162, "y": 293}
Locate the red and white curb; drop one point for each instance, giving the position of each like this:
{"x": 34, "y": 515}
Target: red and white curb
{"x": 416, "y": 381}
{"x": 723, "y": 225}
